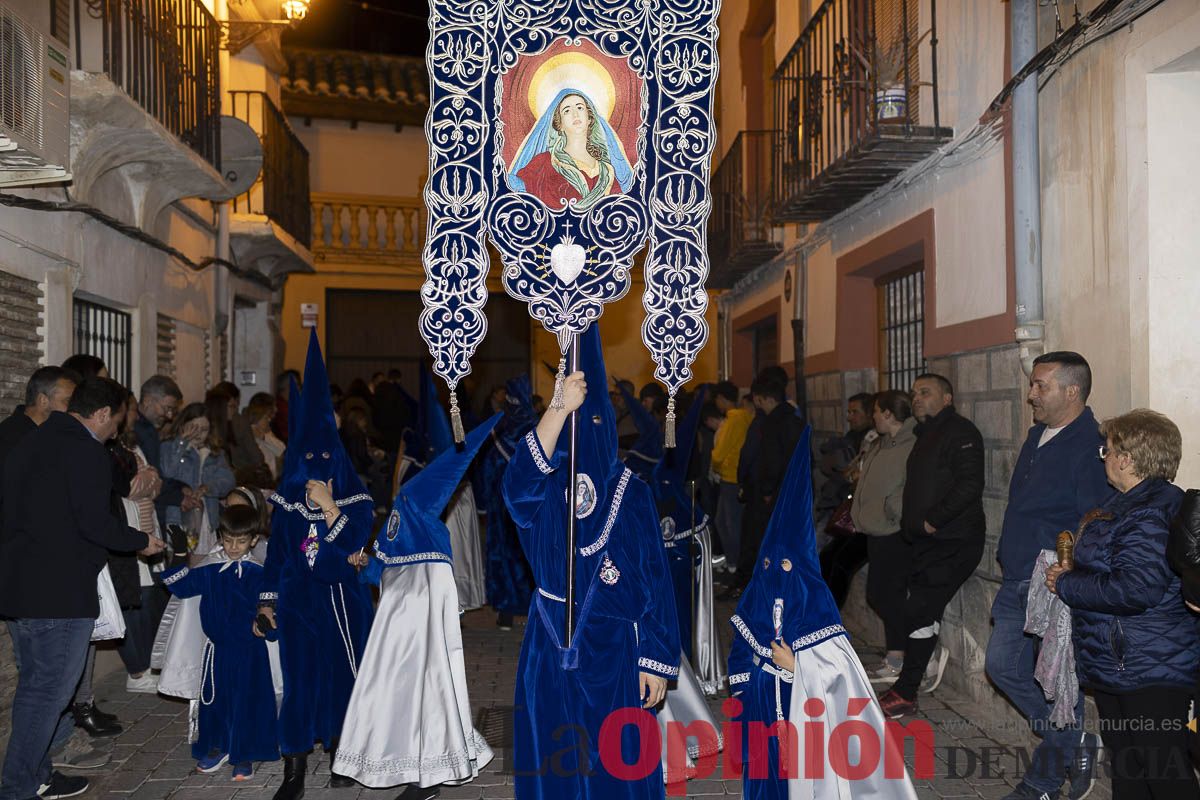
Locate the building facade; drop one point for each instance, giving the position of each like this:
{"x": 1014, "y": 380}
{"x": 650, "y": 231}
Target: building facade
{"x": 873, "y": 219}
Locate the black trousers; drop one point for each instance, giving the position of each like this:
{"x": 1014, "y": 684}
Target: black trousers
{"x": 841, "y": 560}
{"x": 754, "y": 526}
{"x": 887, "y": 585}
{"x": 939, "y": 568}
{"x": 1146, "y": 737}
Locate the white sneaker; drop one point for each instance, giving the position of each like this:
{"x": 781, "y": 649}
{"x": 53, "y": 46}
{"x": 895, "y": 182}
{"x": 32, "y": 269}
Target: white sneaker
{"x": 935, "y": 671}
{"x": 887, "y": 674}
{"x": 147, "y": 684}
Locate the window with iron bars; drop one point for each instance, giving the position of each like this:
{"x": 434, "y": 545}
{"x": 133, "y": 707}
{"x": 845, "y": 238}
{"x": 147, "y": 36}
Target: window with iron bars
{"x": 901, "y": 327}
{"x": 106, "y": 333}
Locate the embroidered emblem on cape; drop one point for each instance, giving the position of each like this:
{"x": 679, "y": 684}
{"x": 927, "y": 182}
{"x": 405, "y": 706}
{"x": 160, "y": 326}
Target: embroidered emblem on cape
{"x": 310, "y": 544}
{"x": 609, "y": 572}
{"x": 585, "y": 496}
{"x": 393, "y": 525}
{"x": 668, "y": 529}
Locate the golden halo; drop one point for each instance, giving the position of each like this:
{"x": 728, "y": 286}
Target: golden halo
{"x": 572, "y": 71}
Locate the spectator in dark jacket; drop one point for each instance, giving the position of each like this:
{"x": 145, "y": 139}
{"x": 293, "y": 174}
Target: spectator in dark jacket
{"x": 780, "y": 431}
{"x": 942, "y": 516}
{"x": 1137, "y": 646}
{"x": 57, "y": 529}
{"x": 1183, "y": 547}
{"x": 48, "y": 389}
{"x": 1056, "y": 480}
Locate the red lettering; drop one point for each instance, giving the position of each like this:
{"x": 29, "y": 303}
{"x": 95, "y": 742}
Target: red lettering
{"x": 731, "y": 731}
{"x": 678, "y": 771}
{"x": 921, "y": 732}
{"x": 814, "y": 740}
{"x": 785, "y": 735}
{"x": 868, "y": 749}
{"x": 649, "y": 744}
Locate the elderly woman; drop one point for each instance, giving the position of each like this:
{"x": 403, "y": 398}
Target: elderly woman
{"x": 1137, "y": 646}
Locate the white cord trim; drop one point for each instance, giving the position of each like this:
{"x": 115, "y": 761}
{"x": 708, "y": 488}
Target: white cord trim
{"x": 742, "y": 628}
{"x": 337, "y": 528}
{"x": 347, "y": 640}
{"x": 618, "y": 496}
{"x": 412, "y": 558}
{"x": 178, "y": 576}
{"x": 300, "y": 508}
{"x": 208, "y": 670}
{"x": 535, "y": 450}
{"x": 658, "y": 666}
{"x": 809, "y": 639}
{"x": 553, "y": 597}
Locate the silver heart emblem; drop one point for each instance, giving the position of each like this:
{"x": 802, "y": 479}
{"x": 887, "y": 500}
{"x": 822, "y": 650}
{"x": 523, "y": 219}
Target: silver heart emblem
{"x": 567, "y": 260}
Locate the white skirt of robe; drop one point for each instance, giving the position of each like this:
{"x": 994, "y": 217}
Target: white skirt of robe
{"x": 706, "y": 645}
{"x": 465, "y": 544}
{"x": 832, "y": 673}
{"x": 409, "y": 718}
{"x": 685, "y": 704}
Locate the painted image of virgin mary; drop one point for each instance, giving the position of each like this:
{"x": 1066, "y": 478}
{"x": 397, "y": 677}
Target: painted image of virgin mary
{"x": 571, "y": 154}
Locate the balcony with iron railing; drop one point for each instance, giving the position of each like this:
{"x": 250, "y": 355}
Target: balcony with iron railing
{"x": 739, "y": 230}
{"x": 147, "y": 90}
{"x": 272, "y": 220}
{"x": 281, "y": 191}
{"x": 850, "y": 105}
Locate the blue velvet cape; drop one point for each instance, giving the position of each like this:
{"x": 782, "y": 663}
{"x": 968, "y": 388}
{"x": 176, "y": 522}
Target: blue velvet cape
{"x": 237, "y": 697}
{"x": 786, "y": 600}
{"x": 322, "y": 611}
{"x": 509, "y": 579}
{"x": 624, "y": 607}
{"x": 647, "y": 451}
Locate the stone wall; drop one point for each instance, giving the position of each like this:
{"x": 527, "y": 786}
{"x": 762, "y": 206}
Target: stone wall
{"x": 989, "y": 390}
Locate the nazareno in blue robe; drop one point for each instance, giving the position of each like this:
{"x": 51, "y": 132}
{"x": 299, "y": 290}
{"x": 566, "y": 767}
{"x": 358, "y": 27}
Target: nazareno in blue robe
{"x": 786, "y": 600}
{"x": 624, "y": 610}
{"x": 680, "y": 518}
{"x": 322, "y": 611}
{"x": 647, "y": 451}
{"x": 509, "y": 579}
{"x": 237, "y": 697}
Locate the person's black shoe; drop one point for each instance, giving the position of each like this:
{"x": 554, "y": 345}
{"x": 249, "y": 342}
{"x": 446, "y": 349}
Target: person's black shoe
{"x": 294, "y": 769}
{"x": 61, "y": 785}
{"x": 340, "y": 781}
{"x": 85, "y": 717}
{"x": 504, "y": 621}
{"x": 1082, "y": 771}
{"x": 104, "y": 716}
{"x": 417, "y": 793}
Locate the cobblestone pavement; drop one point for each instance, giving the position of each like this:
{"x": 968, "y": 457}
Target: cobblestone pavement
{"x": 151, "y": 760}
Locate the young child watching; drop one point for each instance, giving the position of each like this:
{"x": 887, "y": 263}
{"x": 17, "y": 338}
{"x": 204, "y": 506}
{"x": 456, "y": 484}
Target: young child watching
{"x": 237, "y": 697}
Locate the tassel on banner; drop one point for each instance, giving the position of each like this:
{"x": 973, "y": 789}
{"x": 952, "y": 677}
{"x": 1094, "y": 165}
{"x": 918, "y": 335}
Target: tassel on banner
{"x": 456, "y": 424}
{"x": 669, "y": 434}
{"x": 557, "y": 402}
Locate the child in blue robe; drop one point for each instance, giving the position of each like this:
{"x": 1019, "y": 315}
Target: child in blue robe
{"x": 792, "y": 662}
{"x": 318, "y": 606}
{"x": 626, "y": 641}
{"x": 237, "y": 697}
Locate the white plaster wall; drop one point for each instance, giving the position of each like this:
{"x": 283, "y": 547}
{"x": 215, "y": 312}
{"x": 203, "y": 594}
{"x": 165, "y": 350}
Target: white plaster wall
{"x": 372, "y": 159}
{"x": 1112, "y": 212}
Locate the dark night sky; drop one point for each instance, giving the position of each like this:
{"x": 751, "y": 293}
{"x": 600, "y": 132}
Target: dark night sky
{"x": 398, "y": 27}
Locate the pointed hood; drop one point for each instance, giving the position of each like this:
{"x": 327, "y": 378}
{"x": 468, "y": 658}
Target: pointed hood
{"x": 315, "y": 450}
{"x": 597, "y": 429}
{"x": 415, "y": 531}
{"x": 787, "y": 570}
{"x": 434, "y": 425}
{"x": 671, "y": 492}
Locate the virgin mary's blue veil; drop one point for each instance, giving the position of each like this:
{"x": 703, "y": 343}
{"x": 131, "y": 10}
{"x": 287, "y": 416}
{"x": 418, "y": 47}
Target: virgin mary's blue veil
{"x": 538, "y": 142}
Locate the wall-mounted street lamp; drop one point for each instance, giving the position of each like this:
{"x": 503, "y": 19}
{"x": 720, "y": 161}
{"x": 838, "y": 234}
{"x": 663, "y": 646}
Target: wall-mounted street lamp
{"x": 238, "y": 33}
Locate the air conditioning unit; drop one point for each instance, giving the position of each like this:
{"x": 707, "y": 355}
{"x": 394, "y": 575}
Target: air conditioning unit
{"x": 35, "y": 96}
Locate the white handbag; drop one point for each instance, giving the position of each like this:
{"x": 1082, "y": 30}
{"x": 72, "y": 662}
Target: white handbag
{"x": 111, "y": 622}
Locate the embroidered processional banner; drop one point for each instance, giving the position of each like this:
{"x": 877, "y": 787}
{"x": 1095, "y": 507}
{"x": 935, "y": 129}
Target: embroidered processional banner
{"x": 573, "y": 135}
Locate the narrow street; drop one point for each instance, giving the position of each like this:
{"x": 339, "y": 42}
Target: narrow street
{"x": 152, "y": 761}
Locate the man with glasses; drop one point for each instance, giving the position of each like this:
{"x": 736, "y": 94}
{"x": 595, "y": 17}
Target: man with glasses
{"x": 1056, "y": 480}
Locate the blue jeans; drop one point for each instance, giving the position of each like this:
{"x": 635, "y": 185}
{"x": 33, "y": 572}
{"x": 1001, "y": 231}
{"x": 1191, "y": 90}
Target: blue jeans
{"x": 1011, "y": 657}
{"x": 49, "y": 655}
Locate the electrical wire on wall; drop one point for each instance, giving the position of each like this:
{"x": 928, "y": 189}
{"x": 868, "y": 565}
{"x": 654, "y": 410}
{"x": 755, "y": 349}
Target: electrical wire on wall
{"x": 133, "y": 232}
